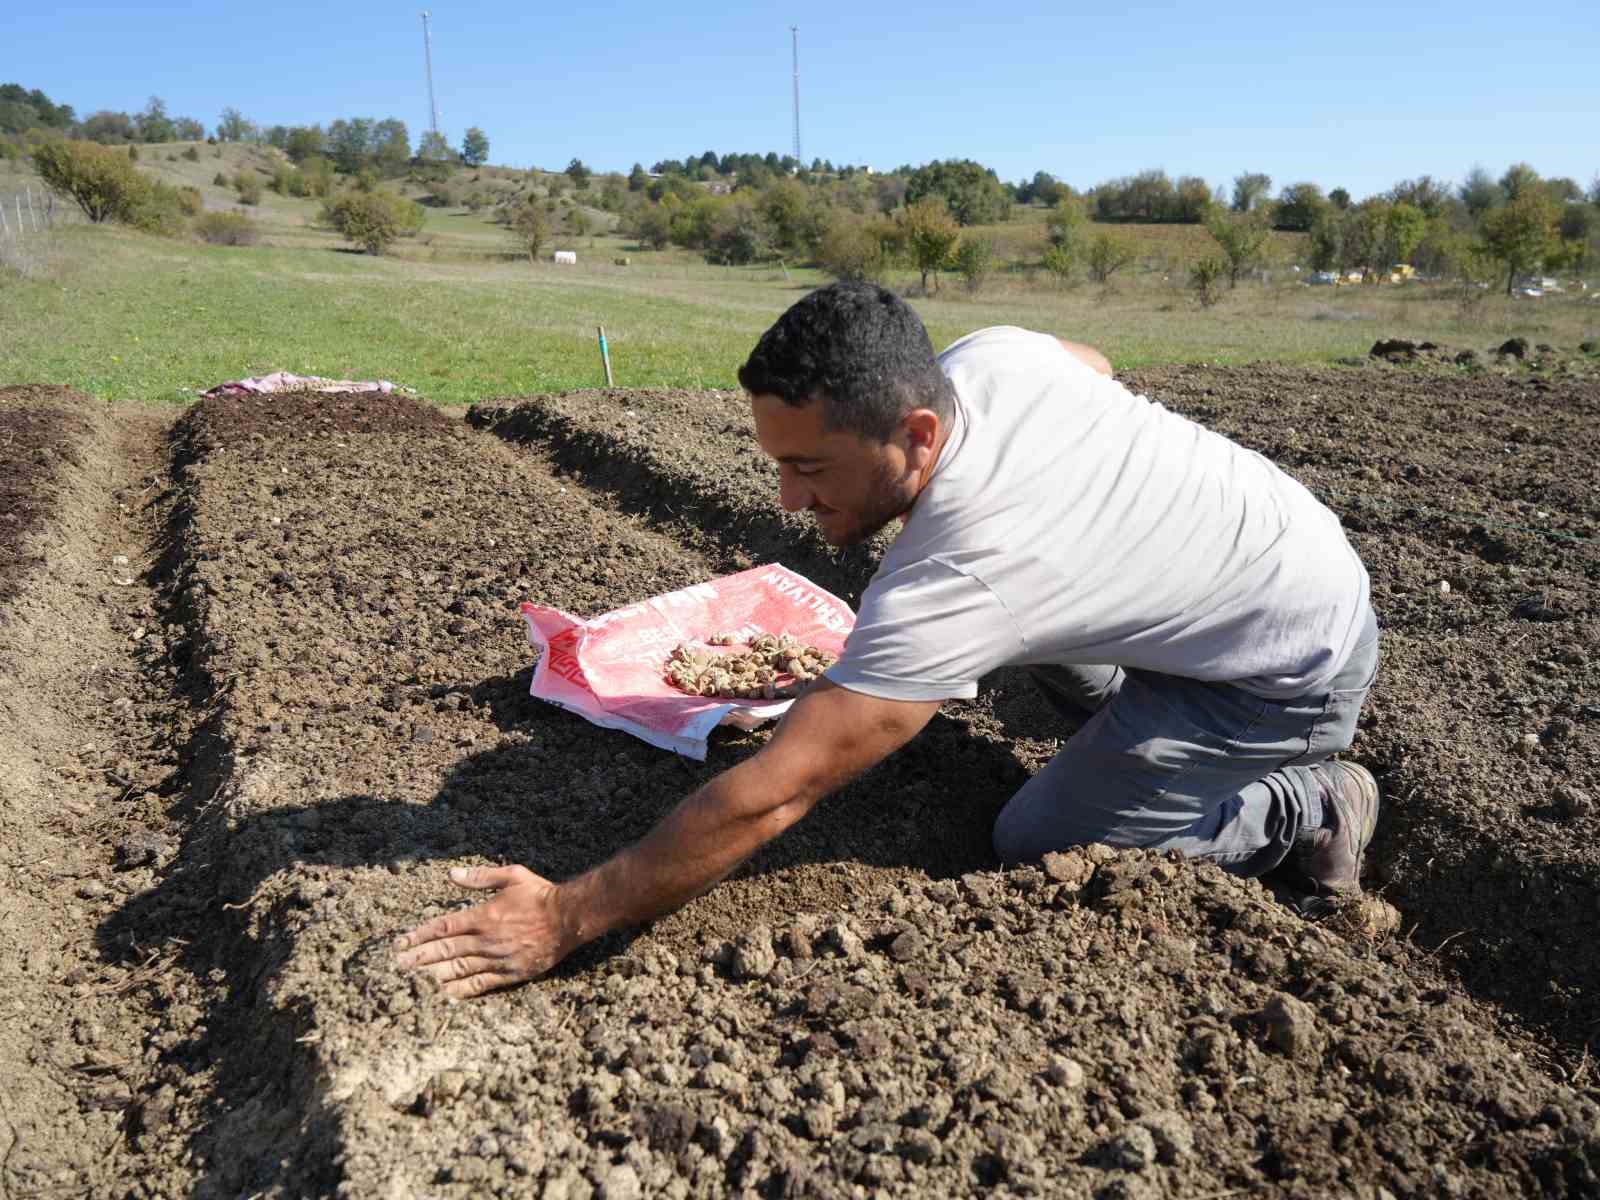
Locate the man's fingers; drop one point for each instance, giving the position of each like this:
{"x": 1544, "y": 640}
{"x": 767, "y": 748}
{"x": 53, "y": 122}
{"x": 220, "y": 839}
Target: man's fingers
{"x": 486, "y": 878}
{"x": 477, "y": 985}
{"x": 451, "y": 969}
{"x": 446, "y": 926}
{"x": 440, "y": 949}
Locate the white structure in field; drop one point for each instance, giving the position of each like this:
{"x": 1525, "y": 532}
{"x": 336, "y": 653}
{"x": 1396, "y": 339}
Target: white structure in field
{"x": 570, "y": 257}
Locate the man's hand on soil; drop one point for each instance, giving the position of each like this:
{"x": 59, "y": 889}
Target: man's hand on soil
{"x": 517, "y": 936}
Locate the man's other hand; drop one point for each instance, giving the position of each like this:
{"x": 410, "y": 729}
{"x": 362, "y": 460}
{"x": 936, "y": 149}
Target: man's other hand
{"x": 516, "y": 936}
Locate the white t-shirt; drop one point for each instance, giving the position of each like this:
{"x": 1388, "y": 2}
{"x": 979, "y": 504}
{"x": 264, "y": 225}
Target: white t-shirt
{"x": 1069, "y": 520}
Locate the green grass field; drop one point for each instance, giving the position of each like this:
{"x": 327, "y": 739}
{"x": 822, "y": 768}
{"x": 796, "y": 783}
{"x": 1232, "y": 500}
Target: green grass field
{"x": 122, "y": 315}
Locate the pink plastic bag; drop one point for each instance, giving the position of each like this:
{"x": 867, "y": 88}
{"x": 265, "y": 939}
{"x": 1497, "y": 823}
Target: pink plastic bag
{"x": 608, "y": 669}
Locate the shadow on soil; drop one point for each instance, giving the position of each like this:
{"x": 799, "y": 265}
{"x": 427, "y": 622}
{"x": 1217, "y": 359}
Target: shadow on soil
{"x": 537, "y": 798}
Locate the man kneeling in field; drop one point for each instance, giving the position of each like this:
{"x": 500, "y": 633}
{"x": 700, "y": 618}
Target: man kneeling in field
{"x": 1198, "y": 609}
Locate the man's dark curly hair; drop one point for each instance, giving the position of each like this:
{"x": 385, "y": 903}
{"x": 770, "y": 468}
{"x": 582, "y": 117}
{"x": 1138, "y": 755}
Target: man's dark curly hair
{"x": 857, "y": 348}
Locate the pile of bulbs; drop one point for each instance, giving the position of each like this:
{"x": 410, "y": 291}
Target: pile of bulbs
{"x": 773, "y": 668}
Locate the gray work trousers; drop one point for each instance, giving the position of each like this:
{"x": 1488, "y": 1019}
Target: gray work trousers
{"x": 1168, "y": 763}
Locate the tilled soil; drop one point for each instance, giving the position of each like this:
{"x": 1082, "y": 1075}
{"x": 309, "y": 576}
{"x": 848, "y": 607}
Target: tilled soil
{"x": 868, "y": 1007}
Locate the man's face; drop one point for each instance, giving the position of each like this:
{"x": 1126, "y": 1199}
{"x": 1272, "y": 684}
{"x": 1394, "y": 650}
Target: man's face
{"x": 852, "y": 485}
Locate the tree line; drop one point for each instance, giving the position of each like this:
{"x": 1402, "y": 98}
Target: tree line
{"x": 351, "y": 144}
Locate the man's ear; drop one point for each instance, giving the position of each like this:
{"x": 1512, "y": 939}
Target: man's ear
{"x": 920, "y": 429}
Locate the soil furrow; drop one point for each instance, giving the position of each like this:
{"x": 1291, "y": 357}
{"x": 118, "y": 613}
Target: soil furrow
{"x": 89, "y": 733}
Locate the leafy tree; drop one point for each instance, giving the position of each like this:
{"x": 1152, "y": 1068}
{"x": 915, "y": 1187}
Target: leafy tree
{"x": 1300, "y": 205}
{"x": 1403, "y": 228}
{"x": 738, "y": 233}
{"x": 304, "y": 141}
{"x": 578, "y": 221}
{"x": 474, "y": 147}
{"x": 579, "y": 173}
{"x": 529, "y": 230}
{"x": 108, "y": 128}
{"x": 1108, "y": 255}
{"x": 889, "y": 192}
{"x": 1242, "y": 238}
{"x": 975, "y": 259}
{"x": 1422, "y": 193}
{"x": 232, "y": 126}
{"x": 638, "y": 180}
{"x": 347, "y": 144}
{"x": 102, "y": 182}
{"x": 791, "y": 211}
{"x": 187, "y": 129}
{"x": 971, "y": 192}
{"x": 652, "y": 225}
{"x": 1064, "y": 226}
{"x": 152, "y": 123}
{"x": 1191, "y": 200}
{"x": 1518, "y": 178}
{"x": 22, "y": 109}
{"x": 1522, "y": 232}
{"x": 1339, "y": 198}
{"x": 1250, "y": 190}
{"x": 432, "y": 148}
{"x": 1479, "y": 193}
{"x": 389, "y": 145}
{"x": 929, "y": 233}
{"x": 1563, "y": 190}
{"x": 1150, "y": 196}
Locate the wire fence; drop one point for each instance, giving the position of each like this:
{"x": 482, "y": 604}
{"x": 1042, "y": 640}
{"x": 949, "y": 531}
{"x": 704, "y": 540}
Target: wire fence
{"x": 30, "y": 221}
{"x": 28, "y": 211}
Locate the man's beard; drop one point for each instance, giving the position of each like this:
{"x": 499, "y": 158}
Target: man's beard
{"x": 889, "y": 496}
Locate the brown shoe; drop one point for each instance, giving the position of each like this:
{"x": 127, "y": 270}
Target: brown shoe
{"x": 1332, "y": 861}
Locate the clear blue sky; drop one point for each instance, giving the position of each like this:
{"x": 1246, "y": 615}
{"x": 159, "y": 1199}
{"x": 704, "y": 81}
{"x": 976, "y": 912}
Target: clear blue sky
{"x": 1357, "y": 95}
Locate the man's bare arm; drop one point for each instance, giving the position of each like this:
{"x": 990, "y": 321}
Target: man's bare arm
{"x": 1087, "y": 354}
{"x": 829, "y": 737}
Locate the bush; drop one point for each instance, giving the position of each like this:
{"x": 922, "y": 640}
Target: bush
{"x": 1205, "y": 280}
{"x": 975, "y": 258}
{"x": 1060, "y": 261}
{"x": 1107, "y": 256}
{"x": 192, "y": 154}
{"x": 227, "y": 229}
{"x": 162, "y": 209}
{"x": 373, "y": 220}
{"x": 221, "y": 180}
{"x": 249, "y": 189}
{"x": 852, "y": 250}
{"x": 100, "y": 181}
{"x": 133, "y": 152}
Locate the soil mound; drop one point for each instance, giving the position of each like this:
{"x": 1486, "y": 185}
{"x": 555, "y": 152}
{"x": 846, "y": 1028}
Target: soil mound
{"x": 44, "y": 431}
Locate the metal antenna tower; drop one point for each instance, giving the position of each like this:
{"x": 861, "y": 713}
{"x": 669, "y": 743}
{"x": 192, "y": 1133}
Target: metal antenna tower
{"x": 427, "y": 57}
{"x": 794, "y": 36}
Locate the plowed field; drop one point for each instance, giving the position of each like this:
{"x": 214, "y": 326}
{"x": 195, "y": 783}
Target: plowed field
{"x": 239, "y": 761}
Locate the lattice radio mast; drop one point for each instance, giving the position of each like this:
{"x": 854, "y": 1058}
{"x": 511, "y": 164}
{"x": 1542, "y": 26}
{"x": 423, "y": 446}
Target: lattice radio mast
{"x": 427, "y": 57}
{"x": 794, "y": 36}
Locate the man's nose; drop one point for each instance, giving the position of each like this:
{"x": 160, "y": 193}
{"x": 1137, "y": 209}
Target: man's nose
{"x": 792, "y": 492}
